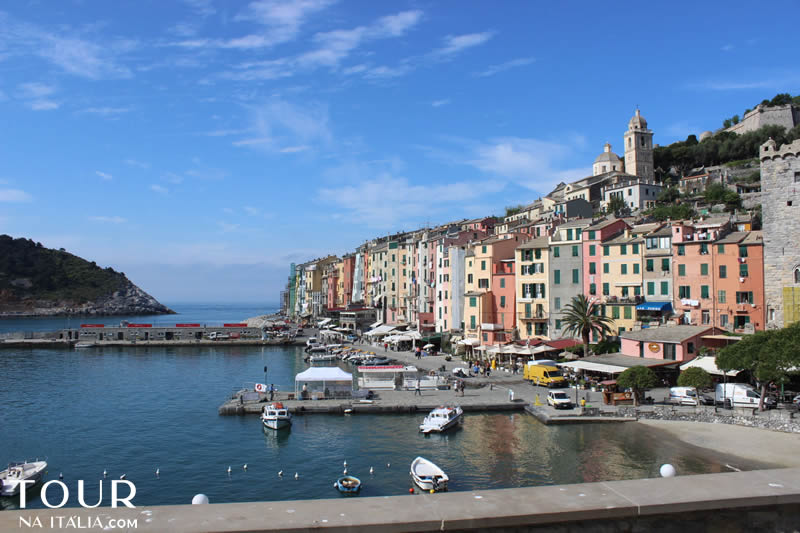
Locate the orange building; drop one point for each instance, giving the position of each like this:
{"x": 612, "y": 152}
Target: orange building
{"x": 738, "y": 282}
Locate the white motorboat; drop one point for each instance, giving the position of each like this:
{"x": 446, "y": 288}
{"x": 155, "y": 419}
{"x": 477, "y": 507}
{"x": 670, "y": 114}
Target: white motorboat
{"x": 442, "y": 419}
{"x": 427, "y": 475}
{"x": 276, "y": 416}
{"x": 323, "y": 357}
{"x": 85, "y": 345}
{"x": 312, "y": 341}
{"x": 11, "y": 477}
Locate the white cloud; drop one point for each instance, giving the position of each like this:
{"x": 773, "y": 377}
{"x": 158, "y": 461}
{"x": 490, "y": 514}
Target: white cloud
{"x": 108, "y": 220}
{"x": 14, "y": 196}
{"x": 134, "y": 163}
{"x": 104, "y": 175}
{"x": 440, "y": 103}
{"x": 252, "y": 211}
{"x": 279, "y": 125}
{"x": 384, "y": 72}
{"x": 106, "y": 111}
{"x": 159, "y": 189}
{"x": 43, "y": 105}
{"x": 386, "y": 200}
{"x": 453, "y": 44}
{"x": 293, "y": 149}
{"x": 514, "y": 63}
{"x": 226, "y": 227}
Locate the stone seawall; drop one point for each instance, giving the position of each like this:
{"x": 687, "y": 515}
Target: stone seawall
{"x": 784, "y": 420}
{"x": 761, "y": 500}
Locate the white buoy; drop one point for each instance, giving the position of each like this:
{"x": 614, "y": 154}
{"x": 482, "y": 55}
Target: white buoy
{"x": 280, "y": 474}
{"x": 371, "y": 470}
{"x": 123, "y": 476}
{"x": 296, "y": 475}
{"x": 345, "y": 471}
{"x": 667, "y": 470}
{"x": 388, "y": 465}
{"x": 229, "y": 469}
{"x": 158, "y": 471}
{"x": 61, "y": 475}
{"x": 345, "y": 463}
{"x": 105, "y": 473}
{"x": 244, "y": 467}
{"x": 199, "y": 499}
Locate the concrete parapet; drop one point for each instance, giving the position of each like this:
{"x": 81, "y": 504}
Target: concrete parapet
{"x": 762, "y": 500}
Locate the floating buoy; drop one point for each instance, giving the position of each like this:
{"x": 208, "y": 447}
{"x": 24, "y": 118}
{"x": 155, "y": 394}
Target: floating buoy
{"x": 105, "y": 473}
{"x": 199, "y": 499}
{"x": 371, "y": 470}
{"x": 229, "y": 470}
{"x": 60, "y": 475}
{"x": 280, "y": 474}
{"x": 158, "y": 471}
{"x": 345, "y": 463}
{"x": 411, "y": 490}
{"x": 667, "y": 470}
{"x": 345, "y": 471}
{"x": 388, "y": 465}
{"x": 244, "y": 467}
{"x": 432, "y": 491}
{"x": 296, "y": 475}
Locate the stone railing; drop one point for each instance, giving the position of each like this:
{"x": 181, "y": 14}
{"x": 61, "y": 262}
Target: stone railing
{"x": 786, "y": 420}
{"x": 765, "y": 500}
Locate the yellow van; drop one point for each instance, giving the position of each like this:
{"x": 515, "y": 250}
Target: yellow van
{"x": 544, "y": 375}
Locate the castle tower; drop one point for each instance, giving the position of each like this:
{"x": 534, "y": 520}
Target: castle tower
{"x": 780, "y": 204}
{"x": 639, "y": 148}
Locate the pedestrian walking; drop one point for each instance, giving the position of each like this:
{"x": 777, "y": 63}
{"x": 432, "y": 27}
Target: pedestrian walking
{"x": 417, "y": 391}
{"x": 271, "y": 391}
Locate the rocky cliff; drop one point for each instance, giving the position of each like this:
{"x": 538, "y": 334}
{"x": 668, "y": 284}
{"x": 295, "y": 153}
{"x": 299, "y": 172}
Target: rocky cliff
{"x": 38, "y": 281}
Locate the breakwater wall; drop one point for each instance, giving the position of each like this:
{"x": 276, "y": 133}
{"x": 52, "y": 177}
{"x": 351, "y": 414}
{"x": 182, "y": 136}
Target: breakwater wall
{"x": 761, "y": 500}
{"x": 786, "y": 420}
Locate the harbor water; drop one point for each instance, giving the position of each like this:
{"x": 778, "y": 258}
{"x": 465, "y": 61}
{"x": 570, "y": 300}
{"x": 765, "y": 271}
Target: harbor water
{"x": 132, "y": 410}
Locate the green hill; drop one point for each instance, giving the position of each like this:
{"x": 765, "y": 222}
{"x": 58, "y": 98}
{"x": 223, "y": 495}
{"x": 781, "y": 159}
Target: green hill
{"x": 39, "y": 280}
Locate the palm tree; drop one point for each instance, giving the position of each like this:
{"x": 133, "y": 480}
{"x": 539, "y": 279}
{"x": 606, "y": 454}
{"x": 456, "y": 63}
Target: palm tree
{"x": 582, "y": 317}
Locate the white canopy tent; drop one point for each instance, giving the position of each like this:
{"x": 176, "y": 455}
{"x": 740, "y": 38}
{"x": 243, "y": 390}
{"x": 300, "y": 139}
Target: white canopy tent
{"x": 329, "y": 381}
{"x": 380, "y": 331}
{"x": 709, "y": 364}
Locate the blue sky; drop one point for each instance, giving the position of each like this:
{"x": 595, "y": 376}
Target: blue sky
{"x": 201, "y": 146}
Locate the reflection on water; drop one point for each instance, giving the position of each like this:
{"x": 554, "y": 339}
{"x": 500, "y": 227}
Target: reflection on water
{"x": 133, "y": 410}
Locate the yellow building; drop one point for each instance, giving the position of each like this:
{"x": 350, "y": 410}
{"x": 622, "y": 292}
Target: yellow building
{"x": 622, "y": 279}
{"x": 532, "y": 274}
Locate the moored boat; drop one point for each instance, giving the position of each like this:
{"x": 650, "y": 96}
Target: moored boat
{"x": 428, "y": 476}
{"x": 276, "y": 416}
{"x": 11, "y": 477}
{"x": 85, "y": 345}
{"x": 348, "y": 484}
{"x": 442, "y": 419}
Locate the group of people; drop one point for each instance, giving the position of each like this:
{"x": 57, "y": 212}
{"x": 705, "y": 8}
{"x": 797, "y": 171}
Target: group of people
{"x": 480, "y": 369}
{"x": 459, "y": 386}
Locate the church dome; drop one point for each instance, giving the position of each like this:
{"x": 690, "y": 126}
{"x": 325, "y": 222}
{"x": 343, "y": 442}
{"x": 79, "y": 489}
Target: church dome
{"x": 637, "y": 122}
{"x": 608, "y": 161}
{"x": 607, "y": 155}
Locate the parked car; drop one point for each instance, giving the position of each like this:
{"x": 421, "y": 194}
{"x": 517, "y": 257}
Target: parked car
{"x": 559, "y": 399}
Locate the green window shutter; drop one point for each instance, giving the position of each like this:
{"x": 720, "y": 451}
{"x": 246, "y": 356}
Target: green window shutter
{"x": 704, "y": 269}
{"x": 605, "y": 249}
{"x": 636, "y": 268}
{"x": 649, "y": 265}
{"x": 556, "y": 277}
{"x": 472, "y": 322}
{"x": 681, "y": 270}
{"x": 623, "y": 249}
{"x": 624, "y": 292}
{"x": 473, "y": 302}
{"x": 605, "y": 268}
{"x": 502, "y": 301}
{"x": 575, "y": 251}
{"x": 529, "y": 328}
{"x": 637, "y": 291}
{"x": 665, "y": 264}
{"x": 635, "y": 248}
{"x": 703, "y": 291}
{"x": 592, "y": 288}
{"x": 592, "y": 248}
{"x": 651, "y": 288}
{"x": 681, "y": 249}
{"x": 623, "y": 269}
{"x": 483, "y": 265}
{"x": 558, "y": 303}
{"x": 605, "y": 289}
{"x": 556, "y": 251}
{"x": 627, "y": 312}
{"x": 527, "y": 310}
{"x": 558, "y": 323}
{"x": 721, "y": 248}
{"x": 576, "y": 275}
{"x": 615, "y": 311}
{"x": 591, "y": 235}
{"x": 592, "y": 268}
{"x": 502, "y": 283}
{"x": 538, "y": 253}
{"x": 483, "y": 249}
{"x": 569, "y": 234}
{"x": 743, "y": 270}
{"x": 664, "y": 288}
{"x": 723, "y": 271}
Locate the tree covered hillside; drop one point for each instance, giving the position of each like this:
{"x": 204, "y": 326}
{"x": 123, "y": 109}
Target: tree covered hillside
{"x": 30, "y": 271}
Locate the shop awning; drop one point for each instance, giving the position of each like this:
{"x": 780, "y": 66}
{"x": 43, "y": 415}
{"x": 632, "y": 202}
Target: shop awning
{"x": 594, "y": 367}
{"x": 375, "y": 325}
{"x": 709, "y": 364}
{"x": 470, "y": 342}
{"x": 655, "y": 306}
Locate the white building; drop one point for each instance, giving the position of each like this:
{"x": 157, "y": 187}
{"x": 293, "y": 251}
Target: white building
{"x": 637, "y": 193}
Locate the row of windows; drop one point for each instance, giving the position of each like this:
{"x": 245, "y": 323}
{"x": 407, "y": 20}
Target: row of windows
{"x": 742, "y": 297}
{"x": 576, "y": 276}
{"x": 723, "y": 270}
{"x": 704, "y": 249}
{"x": 623, "y": 249}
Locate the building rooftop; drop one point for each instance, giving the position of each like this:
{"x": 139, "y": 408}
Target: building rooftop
{"x": 666, "y": 333}
{"x": 600, "y": 224}
{"x": 732, "y": 238}
{"x": 577, "y": 223}
{"x": 754, "y": 237}
{"x": 623, "y": 239}
{"x": 640, "y": 229}
{"x": 539, "y": 242}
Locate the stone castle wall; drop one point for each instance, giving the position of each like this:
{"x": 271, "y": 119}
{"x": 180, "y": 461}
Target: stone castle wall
{"x": 787, "y": 116}
{"x": 780, "y": 200}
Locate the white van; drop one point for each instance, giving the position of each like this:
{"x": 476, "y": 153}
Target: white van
{"x": 683, "y": 396}
{"x": 739, "y": 394}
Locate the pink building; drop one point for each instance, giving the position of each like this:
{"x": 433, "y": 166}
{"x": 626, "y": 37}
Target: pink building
{"x": 503, "y": 319}
{"x": 593, "y": 237}
{"x": 669, "y": 343}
